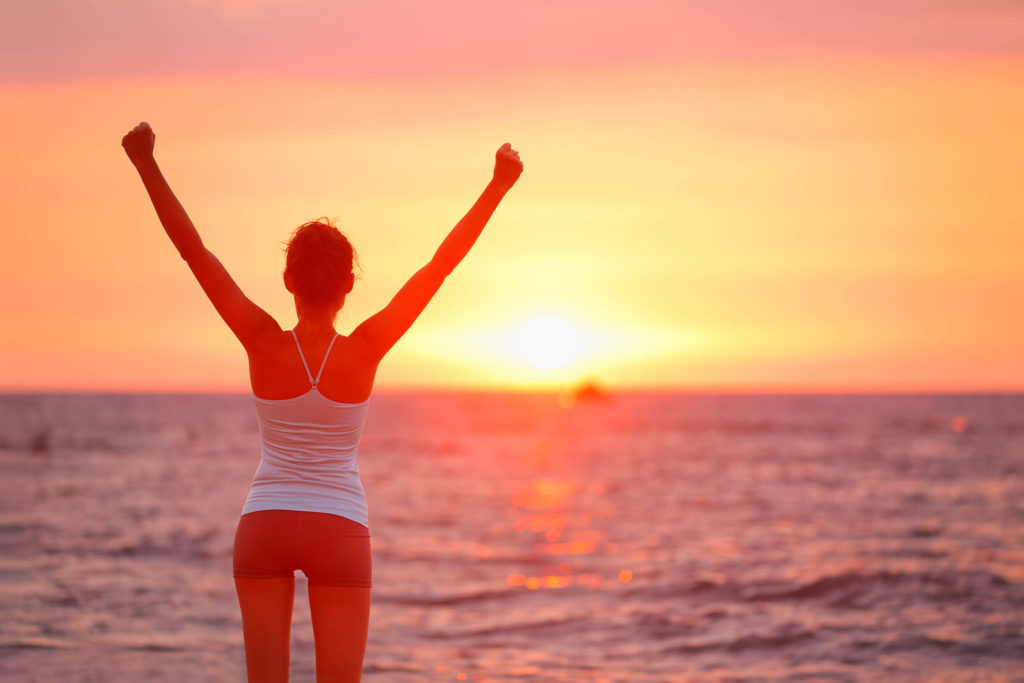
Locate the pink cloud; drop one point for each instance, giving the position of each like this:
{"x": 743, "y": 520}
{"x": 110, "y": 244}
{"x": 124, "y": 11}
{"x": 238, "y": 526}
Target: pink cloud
{"x": 61, "y": 40}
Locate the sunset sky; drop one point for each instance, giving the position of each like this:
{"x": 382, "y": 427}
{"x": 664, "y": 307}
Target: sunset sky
{"x": 738, "y": 195}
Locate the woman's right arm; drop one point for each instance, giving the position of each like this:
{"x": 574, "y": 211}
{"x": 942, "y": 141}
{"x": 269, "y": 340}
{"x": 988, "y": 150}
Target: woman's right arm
{"x": 381, "y": 331}
{"x": 251, "y": 324}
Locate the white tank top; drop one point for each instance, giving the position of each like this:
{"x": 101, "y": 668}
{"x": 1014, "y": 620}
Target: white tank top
{"x": 308, "y": 454}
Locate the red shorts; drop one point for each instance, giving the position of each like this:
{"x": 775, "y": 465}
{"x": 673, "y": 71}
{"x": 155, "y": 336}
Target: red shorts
{"x": 329, "y": 549}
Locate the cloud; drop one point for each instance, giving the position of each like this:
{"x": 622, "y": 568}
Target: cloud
{"x": 68, "y": 40}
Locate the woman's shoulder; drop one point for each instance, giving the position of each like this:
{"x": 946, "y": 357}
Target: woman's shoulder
{"x": 276, "y": 370}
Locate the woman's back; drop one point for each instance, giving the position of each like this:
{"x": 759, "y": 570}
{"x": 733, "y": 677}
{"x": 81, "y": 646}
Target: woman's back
{"x": 309, "y": 443}
{"x": 276, "y": 369}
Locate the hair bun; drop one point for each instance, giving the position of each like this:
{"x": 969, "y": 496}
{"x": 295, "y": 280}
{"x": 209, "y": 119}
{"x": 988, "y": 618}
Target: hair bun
{"x": 319, "y": 262}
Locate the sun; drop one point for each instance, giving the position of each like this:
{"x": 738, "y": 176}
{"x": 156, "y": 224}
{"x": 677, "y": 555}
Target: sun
{"x": 547, "y": 342}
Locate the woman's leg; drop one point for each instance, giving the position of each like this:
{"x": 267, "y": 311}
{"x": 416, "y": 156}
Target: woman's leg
{"x": 266, "y": 625}
{"x": 341, "y": 618}
{"x": 336, "y": 559}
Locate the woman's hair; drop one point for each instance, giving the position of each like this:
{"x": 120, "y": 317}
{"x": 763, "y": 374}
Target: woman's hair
{"x": 319, "y": 261}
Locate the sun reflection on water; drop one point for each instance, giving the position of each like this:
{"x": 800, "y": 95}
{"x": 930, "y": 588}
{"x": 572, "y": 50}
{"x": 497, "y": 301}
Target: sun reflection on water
{"x": 546, "y": 508}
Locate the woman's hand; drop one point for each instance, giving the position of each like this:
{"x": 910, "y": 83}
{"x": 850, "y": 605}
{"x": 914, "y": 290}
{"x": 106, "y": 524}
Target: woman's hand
{"x": 507, "y": 166}
{"x": 138, "y": 143}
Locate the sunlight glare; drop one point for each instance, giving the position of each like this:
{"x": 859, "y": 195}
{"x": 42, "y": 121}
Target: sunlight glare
{"x": 548, "y": 342}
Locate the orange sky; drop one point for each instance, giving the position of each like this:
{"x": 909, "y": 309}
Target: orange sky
{"x": 771, "y": 195}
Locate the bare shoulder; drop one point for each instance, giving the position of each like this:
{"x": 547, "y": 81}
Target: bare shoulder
{"x": 271, "y": 358}
{"x": 354, "y": 353}
{"x": 350, "y": 371}
{"x": 269, "y": 342}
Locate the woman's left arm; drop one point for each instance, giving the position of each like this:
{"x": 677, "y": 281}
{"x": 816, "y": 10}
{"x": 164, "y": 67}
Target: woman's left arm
{"x": 250, "y": 323}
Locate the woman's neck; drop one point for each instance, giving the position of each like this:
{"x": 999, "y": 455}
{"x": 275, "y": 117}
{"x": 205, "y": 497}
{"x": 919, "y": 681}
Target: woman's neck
{"x": 314, "y": 324}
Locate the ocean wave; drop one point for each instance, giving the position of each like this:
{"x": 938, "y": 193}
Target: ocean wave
{"x": 850, "y": 589}
{"x": 530, "y": 627}
{"x": 989, "y": 642}
{"x": 750, "y": 641}
{"x": 371, "y": 668}
{"x": 444, "y": 600}
{"x": 37, "y": 644}
{"x": 24, "y": 527}
{"x": 199, "y": 545}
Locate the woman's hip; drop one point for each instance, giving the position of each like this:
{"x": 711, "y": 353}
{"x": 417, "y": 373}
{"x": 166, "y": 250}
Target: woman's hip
{"x": 329, "y": 549}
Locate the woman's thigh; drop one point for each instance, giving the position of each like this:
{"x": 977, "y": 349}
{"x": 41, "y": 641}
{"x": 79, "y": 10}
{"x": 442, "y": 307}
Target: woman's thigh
{"x": 335, "y": 556}
{"x": 264, "y": 558}
{"x": 341, "y": 617}
{"x": 266, "y": 606}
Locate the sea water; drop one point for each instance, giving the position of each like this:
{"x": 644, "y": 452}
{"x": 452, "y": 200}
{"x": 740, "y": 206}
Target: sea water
{"x": 520, "y": 538}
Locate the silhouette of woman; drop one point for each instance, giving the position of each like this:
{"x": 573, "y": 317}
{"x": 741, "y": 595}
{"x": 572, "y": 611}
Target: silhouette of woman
{"x": 306, "y": 509}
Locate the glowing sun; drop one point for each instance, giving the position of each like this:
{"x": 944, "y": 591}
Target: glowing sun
{"x": 547, "y": 342}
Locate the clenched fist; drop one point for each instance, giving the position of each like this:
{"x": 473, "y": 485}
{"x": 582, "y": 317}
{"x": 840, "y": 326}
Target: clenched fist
{"x": 138, "y": 143}
{"x": 507, "y": 166}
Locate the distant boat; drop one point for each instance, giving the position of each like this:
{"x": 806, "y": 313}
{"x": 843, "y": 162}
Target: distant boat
{"x": 590, "y": 391}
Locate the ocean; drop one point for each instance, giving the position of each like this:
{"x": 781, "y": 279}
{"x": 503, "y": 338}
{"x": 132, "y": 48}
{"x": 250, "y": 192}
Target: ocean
{"x": 646, "y": 537}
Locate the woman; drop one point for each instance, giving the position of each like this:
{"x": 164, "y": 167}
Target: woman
{"x": 306, "y": 509}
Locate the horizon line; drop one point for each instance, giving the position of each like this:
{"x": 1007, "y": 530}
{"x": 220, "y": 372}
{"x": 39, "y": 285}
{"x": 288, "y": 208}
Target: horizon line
{"x": 692, "y": 390}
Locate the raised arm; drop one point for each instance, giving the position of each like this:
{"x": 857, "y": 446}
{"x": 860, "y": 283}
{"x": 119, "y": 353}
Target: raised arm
{"x": 249, "y": 322}
{"x": 380, "y": 332}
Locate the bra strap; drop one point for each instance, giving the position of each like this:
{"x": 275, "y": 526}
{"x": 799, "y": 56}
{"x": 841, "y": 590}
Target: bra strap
{"x": 324, "y": 364}
{"x": 303, "y": 357}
